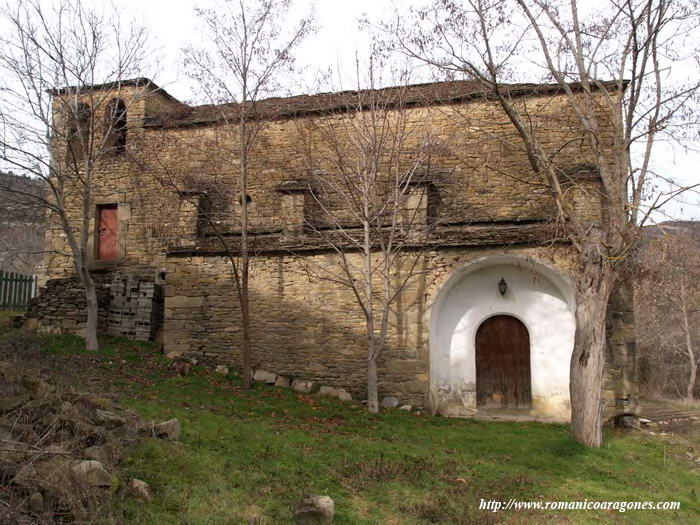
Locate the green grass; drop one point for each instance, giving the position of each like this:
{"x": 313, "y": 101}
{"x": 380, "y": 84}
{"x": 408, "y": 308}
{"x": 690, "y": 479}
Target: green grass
{"x": 246, "y": 454}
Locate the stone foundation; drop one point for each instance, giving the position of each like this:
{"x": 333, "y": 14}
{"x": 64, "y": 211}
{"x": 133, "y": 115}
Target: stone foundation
{"x": 129, "y": 305}
{"x": 60, "y": 306}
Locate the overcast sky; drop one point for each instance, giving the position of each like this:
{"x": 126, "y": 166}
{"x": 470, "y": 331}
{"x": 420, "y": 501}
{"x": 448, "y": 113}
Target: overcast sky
{"x": 172, "y": 25}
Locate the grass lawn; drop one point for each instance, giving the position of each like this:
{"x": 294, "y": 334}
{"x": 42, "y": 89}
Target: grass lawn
{"x": 246, "y": 454}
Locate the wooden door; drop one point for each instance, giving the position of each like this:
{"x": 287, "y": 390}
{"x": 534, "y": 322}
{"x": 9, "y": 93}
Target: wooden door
{"x": 503, "y": 363}
{"x": 107, "y": 233}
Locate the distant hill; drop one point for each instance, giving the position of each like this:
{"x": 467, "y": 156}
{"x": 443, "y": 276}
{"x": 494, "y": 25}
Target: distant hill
{"x": 22, "y": 223}
{"x": 656, "y": 231}
{"x": 16, "y": 199}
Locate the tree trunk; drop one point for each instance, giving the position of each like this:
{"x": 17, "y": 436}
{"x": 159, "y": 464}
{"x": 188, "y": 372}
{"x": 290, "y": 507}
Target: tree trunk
{"x": 80, "y": 263}
{"x": 92, "y": 311}
{"x": 690, "y": 391}
{"x": 372, "y": 393}
{"x": 245, "y": 275}
{"x": 245, "y": 259}
{"x": 247, "y": 361}
{"x": 588, "y": 358}
{"x": 372, "y": 353}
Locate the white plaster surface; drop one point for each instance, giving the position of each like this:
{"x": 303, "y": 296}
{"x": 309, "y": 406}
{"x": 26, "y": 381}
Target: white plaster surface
{"x": 536, "y": 295}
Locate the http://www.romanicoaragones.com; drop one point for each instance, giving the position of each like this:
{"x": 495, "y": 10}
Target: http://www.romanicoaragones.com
{"x": 620, "y": 506}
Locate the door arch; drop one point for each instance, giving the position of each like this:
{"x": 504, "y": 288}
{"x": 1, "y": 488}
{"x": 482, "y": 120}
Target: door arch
{"x": 502, "y": 351}
{"x": 539, "y": 295}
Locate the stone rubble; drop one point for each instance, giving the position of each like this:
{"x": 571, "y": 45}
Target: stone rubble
{"x": 61, "y": 450}
{"x": 222, "y": 370}
{"x": 264, "y": 377}
{"x": 390, "y": 402}
{"x": 93, "y": 473}
{"x": 315, "y": 510}
{"x": 282, "y": 382}
{"x": 140, "y": 489}
{"x": 310, "y": 387}
{"x": 305, "y": 387}
{"x": 167, "y": 430}
{"x": 339, "y": 393}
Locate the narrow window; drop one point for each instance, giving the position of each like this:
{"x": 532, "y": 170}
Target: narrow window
{"x": 115, "y": 126}
{"x": 78, "y": 132}
{"x": 107, "y": 232}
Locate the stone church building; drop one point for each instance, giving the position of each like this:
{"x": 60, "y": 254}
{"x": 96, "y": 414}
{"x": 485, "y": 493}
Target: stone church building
{"x": 485, "y": 328}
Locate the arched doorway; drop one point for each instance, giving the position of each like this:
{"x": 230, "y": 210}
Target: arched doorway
{"x": 538, "y": 303}
{"x": 503, "y": 363}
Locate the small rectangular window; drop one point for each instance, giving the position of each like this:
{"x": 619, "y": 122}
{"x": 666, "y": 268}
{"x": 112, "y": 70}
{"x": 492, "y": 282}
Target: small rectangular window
{"x": 107, "y": 232}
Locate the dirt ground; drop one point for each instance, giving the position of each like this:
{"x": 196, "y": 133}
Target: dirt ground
{"x": 672, "y": 417}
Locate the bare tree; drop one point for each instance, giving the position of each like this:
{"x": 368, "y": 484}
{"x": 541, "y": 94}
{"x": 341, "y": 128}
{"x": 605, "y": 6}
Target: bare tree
{"x": 369, "y": 168}
{"x": 248, "y": 47}
{"x": 668, "y": 296}
{"x": 615, "y": 124}
{"x": 62, "y": 67}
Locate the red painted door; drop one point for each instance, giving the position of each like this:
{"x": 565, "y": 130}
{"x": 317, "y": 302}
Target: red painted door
{"x": 107, "y": 233}
{"x": 503, "y": 363}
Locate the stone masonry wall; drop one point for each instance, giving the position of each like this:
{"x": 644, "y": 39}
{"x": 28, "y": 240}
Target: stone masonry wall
{"x": 60, "y": 306}
{"x": 169, "y": 172}
{"x": 308, "y": 329}
{"x": 166, "y": 171}
{"x": 621, "y": 379}
{"x": 301, "y": 330}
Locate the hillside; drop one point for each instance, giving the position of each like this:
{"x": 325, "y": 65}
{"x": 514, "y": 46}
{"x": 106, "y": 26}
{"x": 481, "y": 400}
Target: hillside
{"x": 253, "y": 456}
{"x": 667, "y": 309}
{"x": 22, "y": 223}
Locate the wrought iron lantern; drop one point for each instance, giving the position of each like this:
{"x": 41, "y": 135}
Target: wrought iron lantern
{"x": 502, "y": 286}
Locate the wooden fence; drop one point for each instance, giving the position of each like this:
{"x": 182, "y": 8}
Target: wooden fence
{"x": 16, "y": 289}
